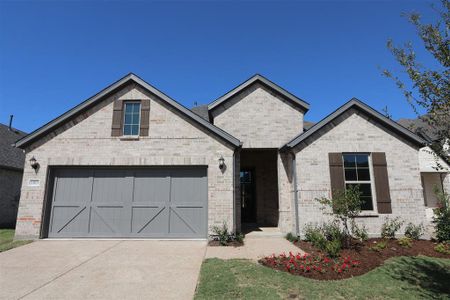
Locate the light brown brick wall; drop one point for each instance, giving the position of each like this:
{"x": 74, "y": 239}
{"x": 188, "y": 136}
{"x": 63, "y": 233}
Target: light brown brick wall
{"x": 259, "y": 118}
{"x": 87, "y": 141}
{"x": 353, "y": 132}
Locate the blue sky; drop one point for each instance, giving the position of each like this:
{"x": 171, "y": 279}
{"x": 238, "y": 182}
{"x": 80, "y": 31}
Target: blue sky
{"x": 55, "y": 54}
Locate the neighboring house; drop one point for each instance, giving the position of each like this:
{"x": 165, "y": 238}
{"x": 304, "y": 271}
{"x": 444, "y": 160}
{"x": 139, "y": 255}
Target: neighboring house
{"x": 11, "y": 170}
{"x": 132, "y": 162}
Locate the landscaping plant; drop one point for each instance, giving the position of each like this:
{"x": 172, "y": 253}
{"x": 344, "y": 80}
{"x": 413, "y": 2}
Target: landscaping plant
{"x": 291, "y": 237}
{"x": 222, "y": 234}
{"x": 301, "y": 264}
{"x": 441, "y": 218}
{"x": 390, "y": 227}
{"x": 414, "y": 231}
{"x": 443, "y": 248}
{"x": 405, "y": 242}
{"x": 378, "y": 247}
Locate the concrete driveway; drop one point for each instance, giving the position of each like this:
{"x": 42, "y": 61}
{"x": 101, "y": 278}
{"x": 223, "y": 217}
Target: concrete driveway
{"x": 101, "y": 269}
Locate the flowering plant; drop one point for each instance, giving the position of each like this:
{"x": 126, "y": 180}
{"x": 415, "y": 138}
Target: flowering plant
{"x": 304, "y": 263}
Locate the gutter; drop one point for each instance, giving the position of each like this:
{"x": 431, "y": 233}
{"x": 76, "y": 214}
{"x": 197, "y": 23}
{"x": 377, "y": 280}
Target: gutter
{"x": 294, "y": 179}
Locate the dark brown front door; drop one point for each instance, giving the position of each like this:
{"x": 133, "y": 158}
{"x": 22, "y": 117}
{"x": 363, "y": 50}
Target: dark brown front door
{"x": 248, "y": 203}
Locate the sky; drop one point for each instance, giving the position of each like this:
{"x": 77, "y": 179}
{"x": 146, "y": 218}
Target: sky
{"x": 56, "y": 54}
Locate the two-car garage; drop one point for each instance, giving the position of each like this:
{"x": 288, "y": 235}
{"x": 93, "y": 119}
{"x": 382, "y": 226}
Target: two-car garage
{"x": 105, "y": 202}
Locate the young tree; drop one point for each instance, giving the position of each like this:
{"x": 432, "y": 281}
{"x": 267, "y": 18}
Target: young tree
{"x": 429, "y": 88}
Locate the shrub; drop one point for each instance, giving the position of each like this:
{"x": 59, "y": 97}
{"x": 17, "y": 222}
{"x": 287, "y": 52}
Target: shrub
{"x": 360, "y": 232}
{"x": 441, "y": 217}
{"x": 345, "y": 205}
{"x": 291, "y": 237}
{"x": 333, "y": 232}
{"x": 414, "y": 231}
{"x": 405, "y": 242}
{"x": 333, "y": 248}
{"x": 443, "y": 248}
{"x": 222, "y": 233}
{"x": 315, "y": 236}
{"x": 379, "y": 246}
{"x": 390, "y": 227}
{"x": 239, "y": 237}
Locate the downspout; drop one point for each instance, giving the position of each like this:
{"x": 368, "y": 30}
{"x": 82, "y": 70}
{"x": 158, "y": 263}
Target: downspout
{"x": 294, "y": 178}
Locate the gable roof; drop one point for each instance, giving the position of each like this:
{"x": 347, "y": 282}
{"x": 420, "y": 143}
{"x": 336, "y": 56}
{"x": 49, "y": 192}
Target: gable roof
{"x": 10, "y": 156}
{"x": 266, "y": 82}
{"x": 202, "y": 111}
{"x": 355, "y": 103}
{"x": 35, "y": 135}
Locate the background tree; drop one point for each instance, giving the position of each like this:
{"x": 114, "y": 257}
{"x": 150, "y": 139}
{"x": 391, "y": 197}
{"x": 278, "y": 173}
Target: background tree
{"x": 429, "y": 87}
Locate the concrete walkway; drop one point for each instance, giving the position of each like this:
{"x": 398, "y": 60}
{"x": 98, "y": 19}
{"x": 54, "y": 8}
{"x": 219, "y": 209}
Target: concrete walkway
{"x": 255, "y": 247}
{"x": 96, "y": 269}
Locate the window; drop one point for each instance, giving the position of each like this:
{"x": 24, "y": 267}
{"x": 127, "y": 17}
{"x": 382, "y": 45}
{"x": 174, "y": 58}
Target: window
{"x": 132, "y": 118}
{"x": 357, "y": 173}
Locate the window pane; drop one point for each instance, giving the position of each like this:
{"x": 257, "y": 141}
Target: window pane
{"x": 366, "y": 203}
{"x": 349, "y": 160}
{"x": 134, "y": 129}
{"x": 128, "y": 107}
{"x": 127, "y": 129}
{"x": 136, "y": 108}
{"x": 362, "y": 160}
{"x": 128, "y": 118}
{"x": 350, "y": 174}
{"x": 363, "y": 174}
{"x": 365, "y": 190}
{"x": 245, "y": 176}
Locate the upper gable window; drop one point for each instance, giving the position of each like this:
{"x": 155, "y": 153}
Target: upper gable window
{"x": 131, "y": 118}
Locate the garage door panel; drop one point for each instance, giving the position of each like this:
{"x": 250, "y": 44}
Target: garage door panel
{"x": 70, "y": 220}
{"x": 73, "y": 187}
{"x": 186, "y": 221}
{"x": 189, "y": 186}
{"x": 150, "y": 221}
{"x": 151, "y": 186}
{"x": 108, "y": 221}
{"x": 113, "y": 202}
{"x": 112, "y": 186}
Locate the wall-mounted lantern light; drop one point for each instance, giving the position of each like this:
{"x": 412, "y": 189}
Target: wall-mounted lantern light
{"x": 33, "y": 163}
{"x": 221, "y": 162}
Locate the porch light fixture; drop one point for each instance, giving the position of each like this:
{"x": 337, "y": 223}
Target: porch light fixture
{"x": 221, "y": 162}
{"x": 33, "y": 163}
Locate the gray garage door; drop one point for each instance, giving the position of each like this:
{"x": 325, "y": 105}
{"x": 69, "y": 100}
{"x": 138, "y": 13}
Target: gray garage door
{"x": 135, "y": 203}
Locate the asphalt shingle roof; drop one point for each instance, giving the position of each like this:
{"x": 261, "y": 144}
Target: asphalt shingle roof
{"x": 10, "y": 156}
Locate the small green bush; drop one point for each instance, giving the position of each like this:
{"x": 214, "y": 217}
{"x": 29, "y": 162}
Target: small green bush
{"x": 379, "y": 246}
{"x": 333, "y": 248}
{"x": 291, "y": 237}
{"x": 333, "y": 232}
{"x": 443, "y": 248}
{"x": 239, "y": 237}
{"x": 360, "y": 232}
{"x": 441, "y": 218}
{"x": 390, "y": 228}
{"x": 414, "y": 231}
{"x": 222, "y": 233}
{"x": 315, "y": 236}
{"x": 405, "y": 242}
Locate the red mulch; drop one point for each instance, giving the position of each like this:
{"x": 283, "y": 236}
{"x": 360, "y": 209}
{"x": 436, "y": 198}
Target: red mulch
{"x": 229, "y": 244}
{"x": 367, "y": 259}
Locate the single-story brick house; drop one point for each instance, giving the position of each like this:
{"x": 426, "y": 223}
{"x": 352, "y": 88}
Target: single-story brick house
{"x": 131, "y": 162}
{"x": 11, "y": 169}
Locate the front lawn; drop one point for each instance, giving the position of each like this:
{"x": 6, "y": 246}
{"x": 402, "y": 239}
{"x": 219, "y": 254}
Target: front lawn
{"x": 399, "y": 278}
{"x": 7, "y": 240}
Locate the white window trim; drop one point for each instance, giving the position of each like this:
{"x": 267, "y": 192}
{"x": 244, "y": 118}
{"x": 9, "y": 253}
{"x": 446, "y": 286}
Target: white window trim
{"x": 123, "y": 118}
{"x": 374, "y": 210}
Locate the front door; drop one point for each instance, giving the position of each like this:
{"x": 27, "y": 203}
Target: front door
{"x": 248, "y": 203}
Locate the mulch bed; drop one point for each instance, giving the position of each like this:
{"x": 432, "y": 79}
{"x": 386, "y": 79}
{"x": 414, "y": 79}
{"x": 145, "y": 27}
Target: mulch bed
{"x": 365, "y": 258}
{"x": 214, "y": 243}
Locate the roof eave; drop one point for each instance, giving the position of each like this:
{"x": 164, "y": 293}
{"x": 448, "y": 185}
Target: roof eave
{"x": 30, "y": 138}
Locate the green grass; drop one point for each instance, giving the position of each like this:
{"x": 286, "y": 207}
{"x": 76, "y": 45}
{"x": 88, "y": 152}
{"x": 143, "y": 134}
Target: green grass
{"x": 7, "y": 240}
{"x": 399, "y": 278}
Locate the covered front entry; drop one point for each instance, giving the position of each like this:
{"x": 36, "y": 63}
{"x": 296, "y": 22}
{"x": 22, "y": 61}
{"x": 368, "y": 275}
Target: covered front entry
{"x": 157, "y": 202}
{"x": 259, "y": 187}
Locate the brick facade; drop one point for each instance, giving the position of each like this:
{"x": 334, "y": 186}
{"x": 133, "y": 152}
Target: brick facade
{"x": 87, "y": 141}
{"x": 355, "y": 132}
